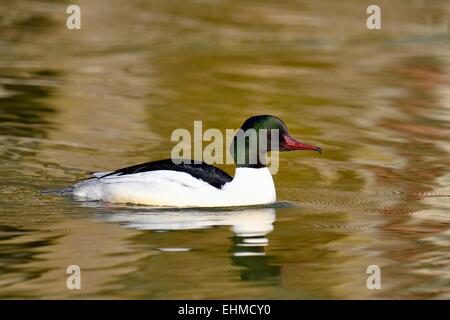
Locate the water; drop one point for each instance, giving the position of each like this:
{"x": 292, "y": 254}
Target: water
{"x": 109, "y": 95}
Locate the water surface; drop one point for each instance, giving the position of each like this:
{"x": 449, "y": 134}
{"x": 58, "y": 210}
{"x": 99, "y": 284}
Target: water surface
{"x": 110, "y": 94}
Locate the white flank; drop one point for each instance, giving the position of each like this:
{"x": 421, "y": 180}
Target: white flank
{"x": 179, "y": 189}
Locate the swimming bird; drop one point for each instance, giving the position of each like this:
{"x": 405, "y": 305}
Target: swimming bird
{"x": 185, "y": 183}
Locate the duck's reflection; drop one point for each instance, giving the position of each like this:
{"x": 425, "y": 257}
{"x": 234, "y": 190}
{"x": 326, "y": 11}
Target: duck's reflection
{"x": 250, "y": 228}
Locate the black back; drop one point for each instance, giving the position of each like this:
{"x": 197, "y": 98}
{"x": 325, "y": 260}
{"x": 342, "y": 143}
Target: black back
{"x": 200, "y": 170}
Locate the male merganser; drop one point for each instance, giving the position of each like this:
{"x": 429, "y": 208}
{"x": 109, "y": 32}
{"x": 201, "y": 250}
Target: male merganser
{"x": 198, "y": 184}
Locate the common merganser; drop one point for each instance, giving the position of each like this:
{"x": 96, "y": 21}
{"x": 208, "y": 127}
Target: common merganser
{"x": 181, "y": 183}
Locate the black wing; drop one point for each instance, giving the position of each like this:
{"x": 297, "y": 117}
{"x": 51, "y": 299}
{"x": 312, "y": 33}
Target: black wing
{"x": 200, "y": 170}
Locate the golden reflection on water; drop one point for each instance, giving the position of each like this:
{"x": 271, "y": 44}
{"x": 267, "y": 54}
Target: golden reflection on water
{"x": 109, "y": 95}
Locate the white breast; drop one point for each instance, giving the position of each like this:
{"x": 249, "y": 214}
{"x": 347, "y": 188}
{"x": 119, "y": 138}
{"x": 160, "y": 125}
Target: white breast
{"x": 172, "y": 188}
{"x": 251, "y": 186}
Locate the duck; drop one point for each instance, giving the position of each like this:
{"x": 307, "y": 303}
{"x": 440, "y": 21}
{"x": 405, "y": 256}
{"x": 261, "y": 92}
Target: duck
{"x": 185, "y": 183}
